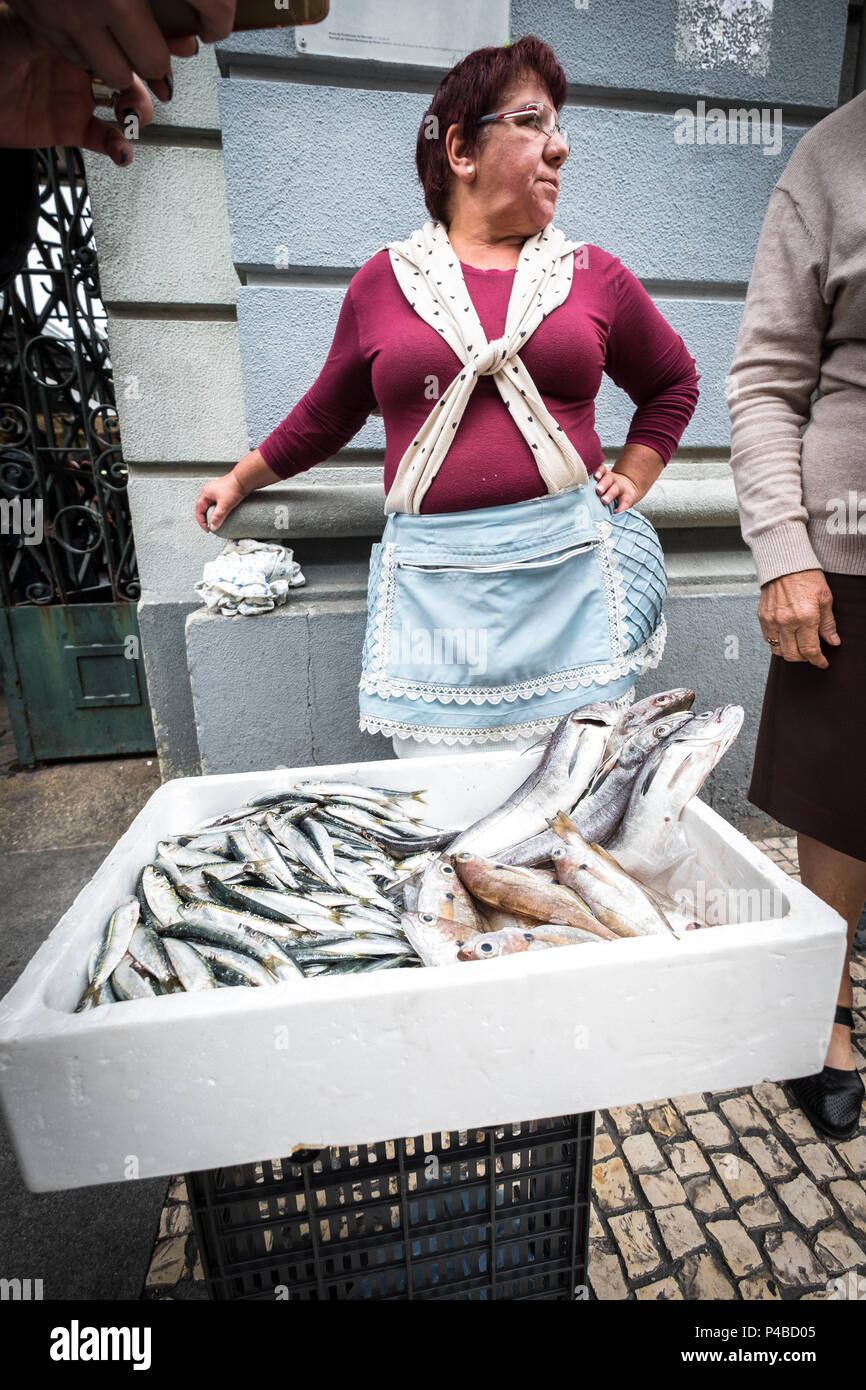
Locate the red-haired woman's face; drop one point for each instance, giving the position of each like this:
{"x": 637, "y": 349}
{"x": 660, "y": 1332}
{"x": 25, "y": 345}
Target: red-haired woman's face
{"x": 517, "y": 169}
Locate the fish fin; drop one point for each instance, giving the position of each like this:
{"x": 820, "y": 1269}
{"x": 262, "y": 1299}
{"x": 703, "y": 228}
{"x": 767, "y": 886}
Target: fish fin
{"x": 562, "y": 825}
{"x": 539, "y": 743}
{"x": 608, "y": 859}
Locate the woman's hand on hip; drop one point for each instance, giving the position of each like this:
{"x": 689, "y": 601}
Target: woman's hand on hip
{"x": 223, "y": 494}
{"x": 796, "y": 610}
{"x": 631, "y": 477}
{"x": 612, "y": 486}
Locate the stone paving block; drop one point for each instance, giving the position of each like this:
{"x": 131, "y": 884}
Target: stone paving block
{"x": 837, "y": 1250}
{"x": 612, "y": 1185}
{"x": 741, "y": 1254}
{"x": 680, "y": 1231}
{"x": 738, "y": 1175}
{"x": 662, "y": 1189}
{"x": 859, "y": 996}
{"x": 603, "y": 1147}
{"x": 705, "y": 1195}
{"x": 661, "y": 1292}
{"x": 627, "y": 1118}
{"x": 605, "y": 1276}
{"x": 686, "y": 1104}
{"x": 758, "y": 1287}
{"x": 759, "y": 1213}
{"x": 796, "y": 1126}
{"x": 642, "y": 1152}
{"x": 666, "y": 1122}
{"x": 637, "y": 1246}
{"x": 708, "y": 1129}
{"x": 771, "y": 1097}
{"x": 175, "y": 1220}
{"x": 168, "y": 1265}
{"x": 744, "y": 1113}
{"x": 858, "y": 969}
{"x": 771, "y": 1157}
{"x": 821, "y": 1161}
{"x": 803, "y": 1200}
{"x": 596, "y": 1230}
{"x": 854, "y": 1154}
{"x": 687, "y": 1159}
{"x": 852, "y": 1199}
{"x": 792, "y": 1262}
{"x": 702, "y": 1277}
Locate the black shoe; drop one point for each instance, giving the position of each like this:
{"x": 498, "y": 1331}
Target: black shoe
{"x": 831, "y": 1098}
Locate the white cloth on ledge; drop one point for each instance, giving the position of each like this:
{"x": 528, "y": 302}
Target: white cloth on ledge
{"x": 249, "y": 577}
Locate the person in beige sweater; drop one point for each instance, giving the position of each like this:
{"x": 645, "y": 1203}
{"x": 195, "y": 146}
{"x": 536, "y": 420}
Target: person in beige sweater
{"x": 797, "y": 399}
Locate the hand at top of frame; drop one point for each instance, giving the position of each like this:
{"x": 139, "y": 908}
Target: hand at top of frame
{"x": 797, "y": 611}
{"x": 47, "y": 100}
{"x": 117, "y": 39}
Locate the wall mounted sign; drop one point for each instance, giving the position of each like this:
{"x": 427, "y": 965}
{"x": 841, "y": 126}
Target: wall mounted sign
{"x": 430, "y": 33}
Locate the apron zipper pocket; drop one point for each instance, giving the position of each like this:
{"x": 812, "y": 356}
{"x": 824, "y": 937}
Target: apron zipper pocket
{"x": 492, "y": 569}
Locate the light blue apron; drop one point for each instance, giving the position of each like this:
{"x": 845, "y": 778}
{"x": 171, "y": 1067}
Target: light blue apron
{"x": 507, "y": 617}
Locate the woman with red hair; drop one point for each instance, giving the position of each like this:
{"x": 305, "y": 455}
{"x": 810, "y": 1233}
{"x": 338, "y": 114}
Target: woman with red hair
{"x": 514, "y": 580}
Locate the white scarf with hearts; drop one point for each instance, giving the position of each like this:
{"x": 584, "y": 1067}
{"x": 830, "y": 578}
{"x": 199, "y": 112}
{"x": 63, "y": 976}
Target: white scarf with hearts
{"x": 429, "y": 274}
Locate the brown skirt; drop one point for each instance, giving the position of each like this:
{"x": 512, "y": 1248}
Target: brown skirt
{"x": 810, "y": 758}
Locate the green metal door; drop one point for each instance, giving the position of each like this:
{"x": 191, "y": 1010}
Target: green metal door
{"x": 74, "y": 680}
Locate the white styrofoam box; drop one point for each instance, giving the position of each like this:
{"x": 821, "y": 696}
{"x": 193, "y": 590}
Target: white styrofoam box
{"x": 181, "y": 1082}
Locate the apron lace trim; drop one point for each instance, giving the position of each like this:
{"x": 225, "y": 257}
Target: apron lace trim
{"x": 377, "y": 724}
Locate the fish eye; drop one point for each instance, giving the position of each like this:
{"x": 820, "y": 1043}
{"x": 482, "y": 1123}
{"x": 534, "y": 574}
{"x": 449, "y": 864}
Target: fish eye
{"x": 464, "y": 855}
{"x": 449, "y": 897}
{"x": 557, "y": 854}
{"x": 427, "y": 917}
{"x": 446, "y": 869}
{"x": 527, "y": 936}
{"x": 486, "y": 947}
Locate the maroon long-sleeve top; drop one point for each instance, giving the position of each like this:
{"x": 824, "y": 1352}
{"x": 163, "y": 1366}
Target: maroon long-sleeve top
{"x": 384, "y": 354}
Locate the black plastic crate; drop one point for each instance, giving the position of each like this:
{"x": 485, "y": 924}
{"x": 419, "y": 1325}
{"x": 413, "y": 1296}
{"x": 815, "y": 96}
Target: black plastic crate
{"x": 501, "y": 1213}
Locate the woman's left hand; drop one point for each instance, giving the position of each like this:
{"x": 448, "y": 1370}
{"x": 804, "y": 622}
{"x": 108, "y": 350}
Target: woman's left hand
{"x": 631, "y": 477}
{"x": 611, "y": 485}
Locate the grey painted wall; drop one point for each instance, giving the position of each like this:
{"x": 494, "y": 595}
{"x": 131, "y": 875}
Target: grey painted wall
{"x": 225, "y": 251}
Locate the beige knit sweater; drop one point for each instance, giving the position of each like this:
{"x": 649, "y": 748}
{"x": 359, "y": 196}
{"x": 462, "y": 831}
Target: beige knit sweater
{"x": 802, "y": 491}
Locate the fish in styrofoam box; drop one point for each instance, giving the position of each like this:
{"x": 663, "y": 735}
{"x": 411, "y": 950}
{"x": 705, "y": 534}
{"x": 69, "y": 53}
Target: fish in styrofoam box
{"x": 192, "y": 1080}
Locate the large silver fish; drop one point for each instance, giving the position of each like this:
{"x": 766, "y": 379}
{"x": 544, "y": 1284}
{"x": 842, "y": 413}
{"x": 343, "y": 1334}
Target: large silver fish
{"x": 573, "y": 754}
{"x": 669, "y": 778}
{"x": 643, "y": 713}
{"x": 599, "y": 812}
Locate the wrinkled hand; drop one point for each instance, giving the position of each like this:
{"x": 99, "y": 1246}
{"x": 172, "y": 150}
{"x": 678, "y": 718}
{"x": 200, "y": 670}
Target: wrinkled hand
{"x": 115, "y": 39}
{"x": 223, "y": 494}
{"x": 46, "y": 100}
{"x": 798, "y": 610}
{"x": 611, "y": 485}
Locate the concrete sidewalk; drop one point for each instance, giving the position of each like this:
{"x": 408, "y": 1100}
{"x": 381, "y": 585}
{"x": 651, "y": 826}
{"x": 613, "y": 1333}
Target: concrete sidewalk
{"x": 56, "y": 826}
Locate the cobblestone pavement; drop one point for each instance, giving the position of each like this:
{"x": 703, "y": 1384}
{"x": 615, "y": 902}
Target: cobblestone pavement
{"x": 729, "y": 1195}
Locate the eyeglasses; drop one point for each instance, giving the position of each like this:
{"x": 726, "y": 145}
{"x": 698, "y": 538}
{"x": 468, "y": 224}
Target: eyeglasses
{"x": 535, "y": 115}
